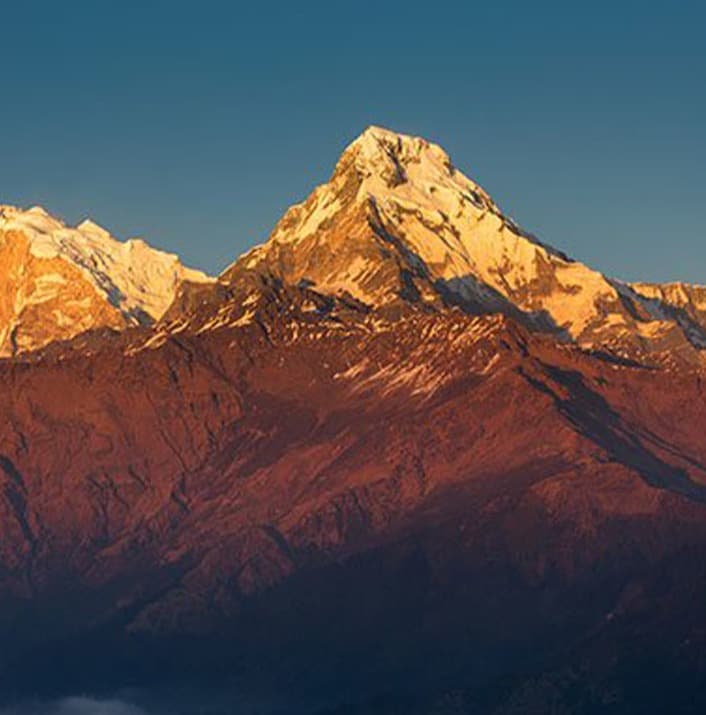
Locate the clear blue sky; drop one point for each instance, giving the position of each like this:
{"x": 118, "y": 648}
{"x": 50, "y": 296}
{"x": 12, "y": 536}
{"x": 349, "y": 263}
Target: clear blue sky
{"x": 196, "y": 124}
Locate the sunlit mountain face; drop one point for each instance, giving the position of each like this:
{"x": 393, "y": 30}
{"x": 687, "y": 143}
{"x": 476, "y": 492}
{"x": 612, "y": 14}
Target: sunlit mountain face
{"x": 60, "y": 281}
{"x": 404, "y": 457}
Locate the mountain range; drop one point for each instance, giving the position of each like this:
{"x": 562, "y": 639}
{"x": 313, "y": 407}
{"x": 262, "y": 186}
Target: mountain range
{"x": 402, "y": 452}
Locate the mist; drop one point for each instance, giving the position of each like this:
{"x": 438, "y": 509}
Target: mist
{"x": 76, "y": 706}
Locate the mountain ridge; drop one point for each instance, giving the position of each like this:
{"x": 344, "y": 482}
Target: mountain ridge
{"x": 60, "y": 281}
{"x": 396, "y": 226}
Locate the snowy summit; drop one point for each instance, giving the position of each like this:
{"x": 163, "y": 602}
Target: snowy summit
{"x": 63, "y": 280}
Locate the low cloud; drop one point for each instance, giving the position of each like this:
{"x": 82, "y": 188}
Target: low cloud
{"x": 75, "y": 706}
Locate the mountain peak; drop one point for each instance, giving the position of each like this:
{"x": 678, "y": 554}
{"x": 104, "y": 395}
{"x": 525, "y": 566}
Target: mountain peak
{"x": 63, "y": 280}
{"x": 88, "y": 226}
{"x": 397, "y": 219}
{"x": 388, "y": 156}
{"x": 398, "y": 225}
{"x": 404, "y": 146}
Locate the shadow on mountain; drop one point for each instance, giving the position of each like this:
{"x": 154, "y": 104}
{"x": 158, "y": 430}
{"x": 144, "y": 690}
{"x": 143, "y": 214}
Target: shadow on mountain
{"x": 594, "y": 417}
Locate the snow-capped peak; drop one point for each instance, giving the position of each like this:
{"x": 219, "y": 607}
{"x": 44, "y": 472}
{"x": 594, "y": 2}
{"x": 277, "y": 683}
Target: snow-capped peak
{"x": 377, "y": 149}
{"x": 398, "y": 221}
{"x": 133, "y": 277}
{"x": 385, "y": 160}
{"x": 402, "y": 194}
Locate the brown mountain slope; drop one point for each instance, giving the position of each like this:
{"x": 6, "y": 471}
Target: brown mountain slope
{"x": 449, "y": 481}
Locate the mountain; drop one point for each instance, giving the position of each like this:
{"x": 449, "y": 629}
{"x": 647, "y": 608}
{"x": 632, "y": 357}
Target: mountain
{"x": 398, "y": 223}
{"x": 388, "y": 457}
{"x": 60, "y": 281}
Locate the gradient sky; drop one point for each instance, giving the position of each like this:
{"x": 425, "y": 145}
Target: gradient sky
{"x": 196, "y": 124}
